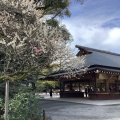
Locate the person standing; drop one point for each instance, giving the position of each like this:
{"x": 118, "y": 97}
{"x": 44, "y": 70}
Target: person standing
{"x": 86, "y": 91}
{"x": 50, "y": 92}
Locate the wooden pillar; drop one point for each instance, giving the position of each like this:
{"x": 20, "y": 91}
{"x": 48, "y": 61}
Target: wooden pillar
{"x": 107, "y": 85}
{"x": 95, "y": 84}
{"x": 62, "y": 86}
{"x": 79, "y": 87}
{"x": 117, "y": 85}
{"x": 71, "y": 87}
{"x": 96, "y": 78}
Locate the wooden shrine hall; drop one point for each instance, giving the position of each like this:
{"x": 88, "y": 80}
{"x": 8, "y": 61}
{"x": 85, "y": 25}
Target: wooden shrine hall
{"x": 101, "y": 80}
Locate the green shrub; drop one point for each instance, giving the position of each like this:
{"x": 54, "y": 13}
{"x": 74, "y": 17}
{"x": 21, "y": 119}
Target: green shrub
{"x": 24, "y": 106}
{"x": 1, "y": 104}
{"x": 1, "y": 109}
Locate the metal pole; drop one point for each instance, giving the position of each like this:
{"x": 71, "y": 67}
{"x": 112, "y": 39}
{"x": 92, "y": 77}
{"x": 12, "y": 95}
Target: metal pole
{"x": 6, "y": 99}
{"x": 43, "y": 114}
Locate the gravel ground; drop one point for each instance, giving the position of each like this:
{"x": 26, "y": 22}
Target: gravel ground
{"x": 73, "y": 111}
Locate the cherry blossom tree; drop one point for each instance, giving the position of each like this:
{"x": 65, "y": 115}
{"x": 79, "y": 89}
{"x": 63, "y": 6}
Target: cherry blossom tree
{"x": 54, "y": 8}
{"x": 27, "y": 43}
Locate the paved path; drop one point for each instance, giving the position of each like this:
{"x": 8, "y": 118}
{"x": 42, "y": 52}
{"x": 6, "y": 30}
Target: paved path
{"x": 80, "y": 100}
{"x": 79, "y": 109}
{"x": 59, "y": 110}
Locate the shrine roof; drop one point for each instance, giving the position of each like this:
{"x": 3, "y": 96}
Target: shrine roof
{"x": 100, "y": 57}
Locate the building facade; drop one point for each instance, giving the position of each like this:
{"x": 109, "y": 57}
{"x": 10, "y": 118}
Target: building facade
{"x": 101, "y": 81}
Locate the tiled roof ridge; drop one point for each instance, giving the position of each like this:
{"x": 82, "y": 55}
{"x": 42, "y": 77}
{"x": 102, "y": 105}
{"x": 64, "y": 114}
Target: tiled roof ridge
{"x": 97, "y": 50}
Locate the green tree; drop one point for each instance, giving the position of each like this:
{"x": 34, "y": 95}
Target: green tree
{"x": 43, "y": 86}
{"x": 54, "y": 7}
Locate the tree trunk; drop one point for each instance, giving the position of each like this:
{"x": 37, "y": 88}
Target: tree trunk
{"x": 6, "y": 99}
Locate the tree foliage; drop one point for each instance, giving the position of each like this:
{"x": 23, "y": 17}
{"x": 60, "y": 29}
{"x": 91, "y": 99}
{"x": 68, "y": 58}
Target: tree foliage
{"x": 43, "y": 86}
{"x": 24, "y": 106}
{"x": 27, "y": 44}
{"x": 53, "y": 8}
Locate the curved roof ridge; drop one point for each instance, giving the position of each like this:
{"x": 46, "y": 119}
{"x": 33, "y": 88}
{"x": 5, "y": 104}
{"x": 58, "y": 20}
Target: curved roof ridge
{"x": 97, "y": 50}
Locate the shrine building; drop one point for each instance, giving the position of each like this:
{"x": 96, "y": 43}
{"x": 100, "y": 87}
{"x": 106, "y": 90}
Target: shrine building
{"x": 101, "y": 79}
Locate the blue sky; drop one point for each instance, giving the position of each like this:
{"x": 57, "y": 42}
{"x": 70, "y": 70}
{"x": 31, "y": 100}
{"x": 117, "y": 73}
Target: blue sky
{"x": 96, "y": 24}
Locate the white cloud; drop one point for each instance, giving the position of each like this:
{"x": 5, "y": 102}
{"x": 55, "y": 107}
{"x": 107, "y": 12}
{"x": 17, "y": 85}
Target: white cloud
{"x": 90, "y": 29}
{"x": 113, "y": 37}
{"x": 96, "y": 37}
